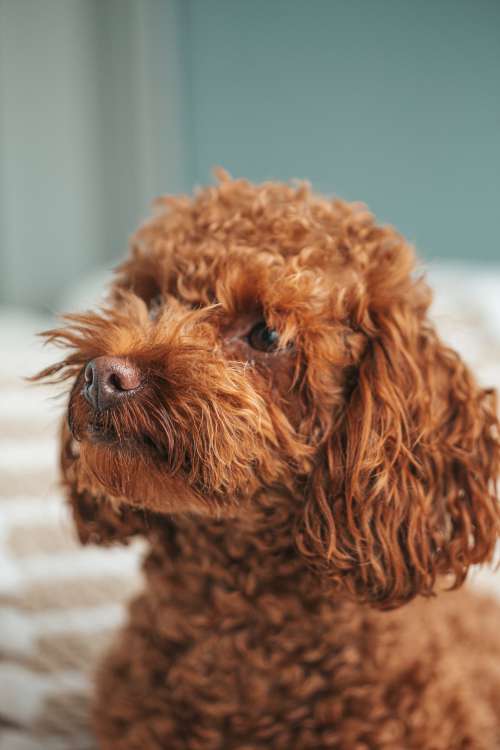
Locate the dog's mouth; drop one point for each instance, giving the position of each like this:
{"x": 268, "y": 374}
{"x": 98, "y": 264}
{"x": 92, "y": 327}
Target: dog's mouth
{"x": 108, "y": 437}
{"x": 116, "y": 430}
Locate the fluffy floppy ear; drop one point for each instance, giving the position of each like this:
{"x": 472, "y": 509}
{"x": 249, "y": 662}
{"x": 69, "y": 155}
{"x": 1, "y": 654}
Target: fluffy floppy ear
{"x": 98, "y": 520}
{"x": 405, "y": 490}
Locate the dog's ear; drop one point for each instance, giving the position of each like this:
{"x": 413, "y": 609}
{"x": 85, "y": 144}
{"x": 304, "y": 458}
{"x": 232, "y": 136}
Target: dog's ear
{"x": 405, "y": 490}
{"x": 98, "y": 520}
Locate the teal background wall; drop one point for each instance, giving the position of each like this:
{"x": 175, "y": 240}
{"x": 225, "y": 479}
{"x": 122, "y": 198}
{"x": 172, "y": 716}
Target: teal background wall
{"x": 92, "y": 128}
{"x": 393, "y": 102}
{"x": 105, "y": 104}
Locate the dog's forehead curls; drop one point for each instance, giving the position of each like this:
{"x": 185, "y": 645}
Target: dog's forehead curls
{"x": 262, "y": 339}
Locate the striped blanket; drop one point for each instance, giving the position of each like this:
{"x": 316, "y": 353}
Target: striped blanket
{"x": 60, "y": 604}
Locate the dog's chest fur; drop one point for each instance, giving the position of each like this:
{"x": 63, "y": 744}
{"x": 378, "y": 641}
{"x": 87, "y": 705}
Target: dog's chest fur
{"x": 232, "y": 637}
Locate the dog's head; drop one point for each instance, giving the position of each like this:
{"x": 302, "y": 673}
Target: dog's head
{"x": 261, "y": 337}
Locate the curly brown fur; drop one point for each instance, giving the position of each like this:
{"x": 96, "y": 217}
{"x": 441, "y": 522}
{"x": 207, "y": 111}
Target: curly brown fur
{"x": 291, "y": 496}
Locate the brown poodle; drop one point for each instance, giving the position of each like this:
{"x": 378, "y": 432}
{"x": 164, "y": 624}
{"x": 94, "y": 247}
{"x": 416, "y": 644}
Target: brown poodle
{"x": 265, "y": 399}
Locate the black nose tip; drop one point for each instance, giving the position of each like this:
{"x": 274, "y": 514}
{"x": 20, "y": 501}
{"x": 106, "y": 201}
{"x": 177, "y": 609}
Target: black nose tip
{"x": 107, "y": 379}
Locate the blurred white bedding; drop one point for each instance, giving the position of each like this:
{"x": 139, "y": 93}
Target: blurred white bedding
{"x": 60, "y": 603}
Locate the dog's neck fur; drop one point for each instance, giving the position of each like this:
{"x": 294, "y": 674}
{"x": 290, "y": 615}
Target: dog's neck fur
{"x": 204, "y": 561}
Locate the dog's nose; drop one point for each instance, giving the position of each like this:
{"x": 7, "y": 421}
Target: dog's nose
{"x": 108, "y": 379}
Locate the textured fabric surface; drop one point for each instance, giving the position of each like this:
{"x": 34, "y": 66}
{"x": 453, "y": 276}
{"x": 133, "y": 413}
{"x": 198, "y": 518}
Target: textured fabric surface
{"x": 60, "y": 604}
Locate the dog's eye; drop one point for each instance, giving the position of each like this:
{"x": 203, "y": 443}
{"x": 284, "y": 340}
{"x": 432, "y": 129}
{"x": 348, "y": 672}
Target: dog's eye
{"x": 263, "y": 338}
